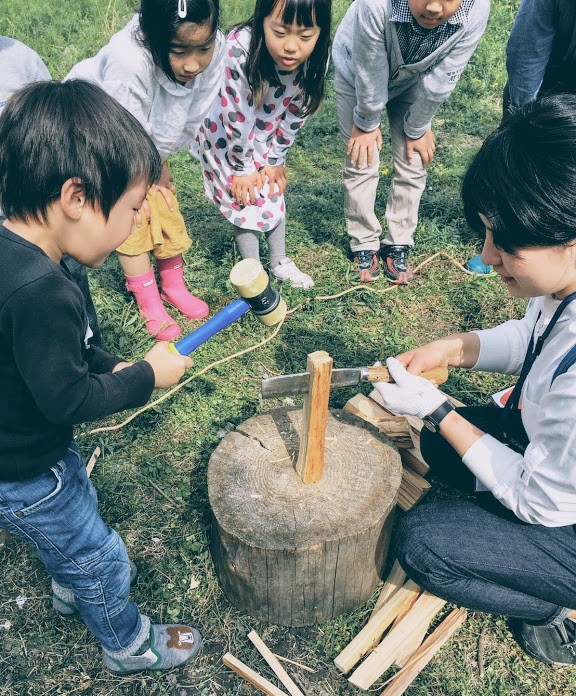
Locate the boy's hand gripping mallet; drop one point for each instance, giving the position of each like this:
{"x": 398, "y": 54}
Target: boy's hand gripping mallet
{"x": 256, "y": 295}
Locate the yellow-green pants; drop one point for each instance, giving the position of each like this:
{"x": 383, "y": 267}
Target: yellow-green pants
{"x": 164, "y": 235}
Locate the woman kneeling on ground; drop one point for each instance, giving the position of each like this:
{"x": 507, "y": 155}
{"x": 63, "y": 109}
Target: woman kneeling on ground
{"x": 512, "y": 548}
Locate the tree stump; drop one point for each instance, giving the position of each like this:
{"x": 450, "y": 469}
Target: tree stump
{"x": 297, "y": 554}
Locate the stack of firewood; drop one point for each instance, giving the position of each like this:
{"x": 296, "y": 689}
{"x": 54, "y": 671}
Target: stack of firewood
{"x": 403, "y": 615}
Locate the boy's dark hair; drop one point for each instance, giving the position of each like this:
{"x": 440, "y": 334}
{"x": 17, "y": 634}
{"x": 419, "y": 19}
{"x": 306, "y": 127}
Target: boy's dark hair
{"x": 523, "y": 179}
{"x": 260, "y": 68}
{"x": 159, "y": 22}
{"x": 54, "y": 131}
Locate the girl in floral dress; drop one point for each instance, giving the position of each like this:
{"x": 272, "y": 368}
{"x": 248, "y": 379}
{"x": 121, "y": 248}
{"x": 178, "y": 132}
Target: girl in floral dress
{"x": 275, "y": 67}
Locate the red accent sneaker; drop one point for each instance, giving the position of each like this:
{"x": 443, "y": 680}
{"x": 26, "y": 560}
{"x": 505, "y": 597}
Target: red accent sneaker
{"x": 366, "y": 266}
{"x": 396, "y": 267}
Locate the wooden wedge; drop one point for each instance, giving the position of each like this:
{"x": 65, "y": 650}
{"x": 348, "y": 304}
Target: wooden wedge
{"x": 431, "y": 645}
{"x": 274, "y": 664}
{"x": 396, "y": 578}
{"x": 251, "y": 676}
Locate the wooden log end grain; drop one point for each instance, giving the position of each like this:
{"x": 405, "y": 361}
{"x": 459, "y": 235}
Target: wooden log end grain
{"x": 293, "y": 553}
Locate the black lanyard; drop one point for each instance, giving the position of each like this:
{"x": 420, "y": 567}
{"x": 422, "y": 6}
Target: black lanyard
{"x": 534, "y": 350}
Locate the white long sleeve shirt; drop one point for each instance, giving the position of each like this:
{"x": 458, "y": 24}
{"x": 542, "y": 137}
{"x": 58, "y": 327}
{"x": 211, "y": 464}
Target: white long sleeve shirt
{"x": 171, "y": 113}
{"x": 539, "y": 487}
{"x": 19, "y": 66}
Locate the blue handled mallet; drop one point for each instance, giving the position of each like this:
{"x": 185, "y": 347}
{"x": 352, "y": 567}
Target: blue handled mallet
{"x": 256, "y": 295}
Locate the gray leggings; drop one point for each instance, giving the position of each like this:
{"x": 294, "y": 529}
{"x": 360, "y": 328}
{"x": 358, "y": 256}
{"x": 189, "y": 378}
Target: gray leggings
{"x": 248, "y": 242}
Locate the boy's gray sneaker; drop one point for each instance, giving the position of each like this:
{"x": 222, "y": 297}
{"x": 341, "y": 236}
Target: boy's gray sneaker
{"x": 366, "y": 266}
{"x": 168, "y": 645}
{"x": 63, "y": 599}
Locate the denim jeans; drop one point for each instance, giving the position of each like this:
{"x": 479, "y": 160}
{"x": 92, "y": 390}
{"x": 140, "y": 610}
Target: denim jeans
{"x": 476, "y": 553}
{"x": 57, "y": 513}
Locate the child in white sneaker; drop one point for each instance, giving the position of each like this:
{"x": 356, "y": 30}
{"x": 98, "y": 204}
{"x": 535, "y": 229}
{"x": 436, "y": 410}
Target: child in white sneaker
{"x": 275, "y": 76}
{"x": 21, "y": 66}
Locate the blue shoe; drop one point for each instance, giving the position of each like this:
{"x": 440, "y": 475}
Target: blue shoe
{"x": 475, "y": 265}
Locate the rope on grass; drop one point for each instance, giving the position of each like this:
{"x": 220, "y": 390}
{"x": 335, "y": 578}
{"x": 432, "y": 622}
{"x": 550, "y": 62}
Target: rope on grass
{"x": 320, "y": 298}
{"x": 390, "y": 288}
{"x": 169, "y": 393}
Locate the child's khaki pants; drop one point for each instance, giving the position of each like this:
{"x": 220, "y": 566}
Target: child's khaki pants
{"x": 408, "y": 181}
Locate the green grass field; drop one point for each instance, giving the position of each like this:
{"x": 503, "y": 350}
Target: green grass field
{"x": 151, "y": 477}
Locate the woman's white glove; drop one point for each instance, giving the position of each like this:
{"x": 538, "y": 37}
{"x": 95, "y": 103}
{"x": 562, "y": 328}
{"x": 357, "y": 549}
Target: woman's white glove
{"x": 410, "y": 394}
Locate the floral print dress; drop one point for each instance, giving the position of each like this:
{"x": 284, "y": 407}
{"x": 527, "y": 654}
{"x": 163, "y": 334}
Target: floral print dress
{"x": 238, "y": 138}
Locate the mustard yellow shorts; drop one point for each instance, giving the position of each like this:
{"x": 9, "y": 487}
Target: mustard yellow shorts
{"x": 164, "y": 235}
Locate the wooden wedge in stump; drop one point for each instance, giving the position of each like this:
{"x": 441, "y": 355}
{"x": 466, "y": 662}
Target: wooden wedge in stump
{"x": 310, "y": 462}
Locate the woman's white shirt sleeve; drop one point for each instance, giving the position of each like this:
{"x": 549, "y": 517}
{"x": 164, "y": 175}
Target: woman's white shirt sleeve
{"x": 540, "y": 486}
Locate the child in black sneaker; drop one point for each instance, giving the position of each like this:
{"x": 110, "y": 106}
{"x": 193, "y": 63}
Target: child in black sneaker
{"x": 405, "y": 56}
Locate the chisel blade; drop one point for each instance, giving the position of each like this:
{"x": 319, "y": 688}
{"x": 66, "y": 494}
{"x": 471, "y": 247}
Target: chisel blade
{"x": 291, "y": 385}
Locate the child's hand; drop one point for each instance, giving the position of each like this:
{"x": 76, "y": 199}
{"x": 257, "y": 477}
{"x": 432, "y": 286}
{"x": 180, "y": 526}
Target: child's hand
{"x": 245, "y": 188}
{"x": 143, "y": 214}
{"x": 360, "y": 147}
{"x": 276, "y": 176}
{"x": 165, "y": 187}
{"x": 424, "y": 146}
{"x": 166, "y": 179}
{"x": 165, "y": 192}
{"x": 168, "y": 367}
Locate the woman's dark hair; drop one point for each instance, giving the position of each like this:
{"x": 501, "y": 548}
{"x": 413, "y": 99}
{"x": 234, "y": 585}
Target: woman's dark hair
{"x": 159, "y": 22}
{"x": 260, "y": 68}
{"x": 54, "y": 131}
{"x": 523, "y": 179}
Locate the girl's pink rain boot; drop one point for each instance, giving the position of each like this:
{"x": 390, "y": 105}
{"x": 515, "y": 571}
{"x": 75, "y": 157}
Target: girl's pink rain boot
{"x": 175, "y": 291}
{"x": 158, "y": 321}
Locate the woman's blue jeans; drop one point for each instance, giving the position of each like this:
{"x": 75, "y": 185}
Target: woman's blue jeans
{"x": 57, "y": 512}
{"x": 476, "y": 553}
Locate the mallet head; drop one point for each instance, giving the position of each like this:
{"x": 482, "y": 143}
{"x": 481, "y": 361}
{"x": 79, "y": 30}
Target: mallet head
{"x": 252, "y": 283}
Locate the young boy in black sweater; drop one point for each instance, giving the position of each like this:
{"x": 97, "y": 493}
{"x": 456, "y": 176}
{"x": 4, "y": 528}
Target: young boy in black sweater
{"x": 74, "y": 168}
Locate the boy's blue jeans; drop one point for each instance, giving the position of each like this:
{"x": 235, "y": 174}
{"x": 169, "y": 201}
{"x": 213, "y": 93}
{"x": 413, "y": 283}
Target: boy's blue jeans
{"x": 57, "y": 512}
{"x": 476, "y": 553}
